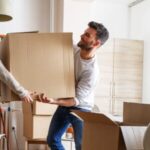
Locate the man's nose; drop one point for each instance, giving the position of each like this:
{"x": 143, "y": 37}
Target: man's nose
{"x": 82, "y": 36}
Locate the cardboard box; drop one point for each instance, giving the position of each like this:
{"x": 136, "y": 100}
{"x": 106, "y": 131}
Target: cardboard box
{"x": 36, "y": 126}
{"x": 38, "y": 108}
{"x": 136, "y": 114}
{"x": 103, "y": 133}
{"x": 100, "y": 132}
{"x": 41, "y": 62}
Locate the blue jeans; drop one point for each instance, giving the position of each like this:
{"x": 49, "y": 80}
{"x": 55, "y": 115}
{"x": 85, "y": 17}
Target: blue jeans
{"x": 59, "y": 123}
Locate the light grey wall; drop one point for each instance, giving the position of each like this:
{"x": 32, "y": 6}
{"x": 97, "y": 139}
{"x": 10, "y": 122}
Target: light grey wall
{"x": 113, "y": 14}
{"x": 140, "y": 29}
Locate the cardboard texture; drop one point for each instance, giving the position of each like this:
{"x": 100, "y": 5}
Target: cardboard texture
{"x": 41, "y": 62}
{"x": 38, "y": 108}
{"x": 99, "y": 132}
{"x": 136, "y": 114}
{"x": 102, "y": 132}
{"x": 36, "y": 127}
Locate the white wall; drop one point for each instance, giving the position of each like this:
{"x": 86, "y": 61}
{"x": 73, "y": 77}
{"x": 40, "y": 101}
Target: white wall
{"x": 140, "y": 29}
{"x": 76, "y": 16}
{"x": 112, "y": 13}
{"x": 28, "y": 15}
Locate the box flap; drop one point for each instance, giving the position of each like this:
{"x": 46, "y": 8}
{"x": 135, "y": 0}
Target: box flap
{"x": 95, "y": 117}
{"x": 100, "y": 131}
{"x": 136, "y": 113}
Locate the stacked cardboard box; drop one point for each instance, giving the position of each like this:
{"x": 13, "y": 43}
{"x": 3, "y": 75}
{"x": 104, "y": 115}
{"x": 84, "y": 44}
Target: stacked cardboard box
{"x": 36, "y": 121}
{"x": 104, "y": 133}
{"x": 41, "y": 62}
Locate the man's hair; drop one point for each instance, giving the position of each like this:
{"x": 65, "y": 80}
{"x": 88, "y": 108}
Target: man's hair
{"x": 102, "y": 32}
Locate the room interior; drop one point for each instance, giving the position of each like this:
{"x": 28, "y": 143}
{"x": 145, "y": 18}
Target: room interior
{"x": 125, "y": 75}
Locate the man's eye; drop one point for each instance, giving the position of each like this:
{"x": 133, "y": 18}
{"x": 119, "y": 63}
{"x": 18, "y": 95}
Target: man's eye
{"x": 86, "y": 34}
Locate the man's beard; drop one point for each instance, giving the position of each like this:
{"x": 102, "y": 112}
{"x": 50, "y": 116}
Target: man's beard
{"x": 84, "y": 46}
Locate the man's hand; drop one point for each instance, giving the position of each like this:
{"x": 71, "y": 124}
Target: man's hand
{"x": 34, "y": 95}
{"x": 42, "y": 98}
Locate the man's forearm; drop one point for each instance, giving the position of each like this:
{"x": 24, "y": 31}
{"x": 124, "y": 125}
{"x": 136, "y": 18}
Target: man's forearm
{"x": 68, "y": 102}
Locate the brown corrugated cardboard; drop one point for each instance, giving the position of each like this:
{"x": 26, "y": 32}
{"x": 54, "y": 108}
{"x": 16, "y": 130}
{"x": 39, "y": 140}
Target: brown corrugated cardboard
{"x": 41, "y": 62}
{"x": 36, "y": 127}
{"x": 102, "y": 132}
{"x": 99, "y": 132}
{"x": 38, "y": 108}
{"x": 136, "y": 114}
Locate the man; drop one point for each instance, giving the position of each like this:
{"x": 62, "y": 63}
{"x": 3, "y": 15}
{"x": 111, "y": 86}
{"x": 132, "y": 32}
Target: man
{"x": 86, "y": 75}
{"x": 13, "y": 84}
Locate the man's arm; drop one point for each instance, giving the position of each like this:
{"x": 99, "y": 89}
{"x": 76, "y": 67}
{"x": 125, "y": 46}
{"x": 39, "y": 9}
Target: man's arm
{"x": 67, "y": 102}
{"x": 83, "y": 89}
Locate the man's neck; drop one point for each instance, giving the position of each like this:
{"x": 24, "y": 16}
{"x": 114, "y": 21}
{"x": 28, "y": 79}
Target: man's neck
{"x": 87, "y": 54}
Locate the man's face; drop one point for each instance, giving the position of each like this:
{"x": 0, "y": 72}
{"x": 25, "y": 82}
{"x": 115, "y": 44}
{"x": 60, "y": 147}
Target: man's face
{"x": 88, "y": 39}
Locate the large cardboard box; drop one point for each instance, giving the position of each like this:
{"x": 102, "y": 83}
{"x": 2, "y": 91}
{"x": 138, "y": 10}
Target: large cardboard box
{"x": 102, "y": 132}
{"x": 36, "y": 126}
{"x": 41, "y": 62}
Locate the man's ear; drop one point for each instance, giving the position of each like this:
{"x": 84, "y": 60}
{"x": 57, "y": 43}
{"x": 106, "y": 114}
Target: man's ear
{"x": 97, "y": 43}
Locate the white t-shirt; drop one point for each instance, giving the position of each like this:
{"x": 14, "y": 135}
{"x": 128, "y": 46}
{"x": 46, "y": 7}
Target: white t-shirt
{"x": 86, "y": 76}
{"x": 11, "y": 82}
